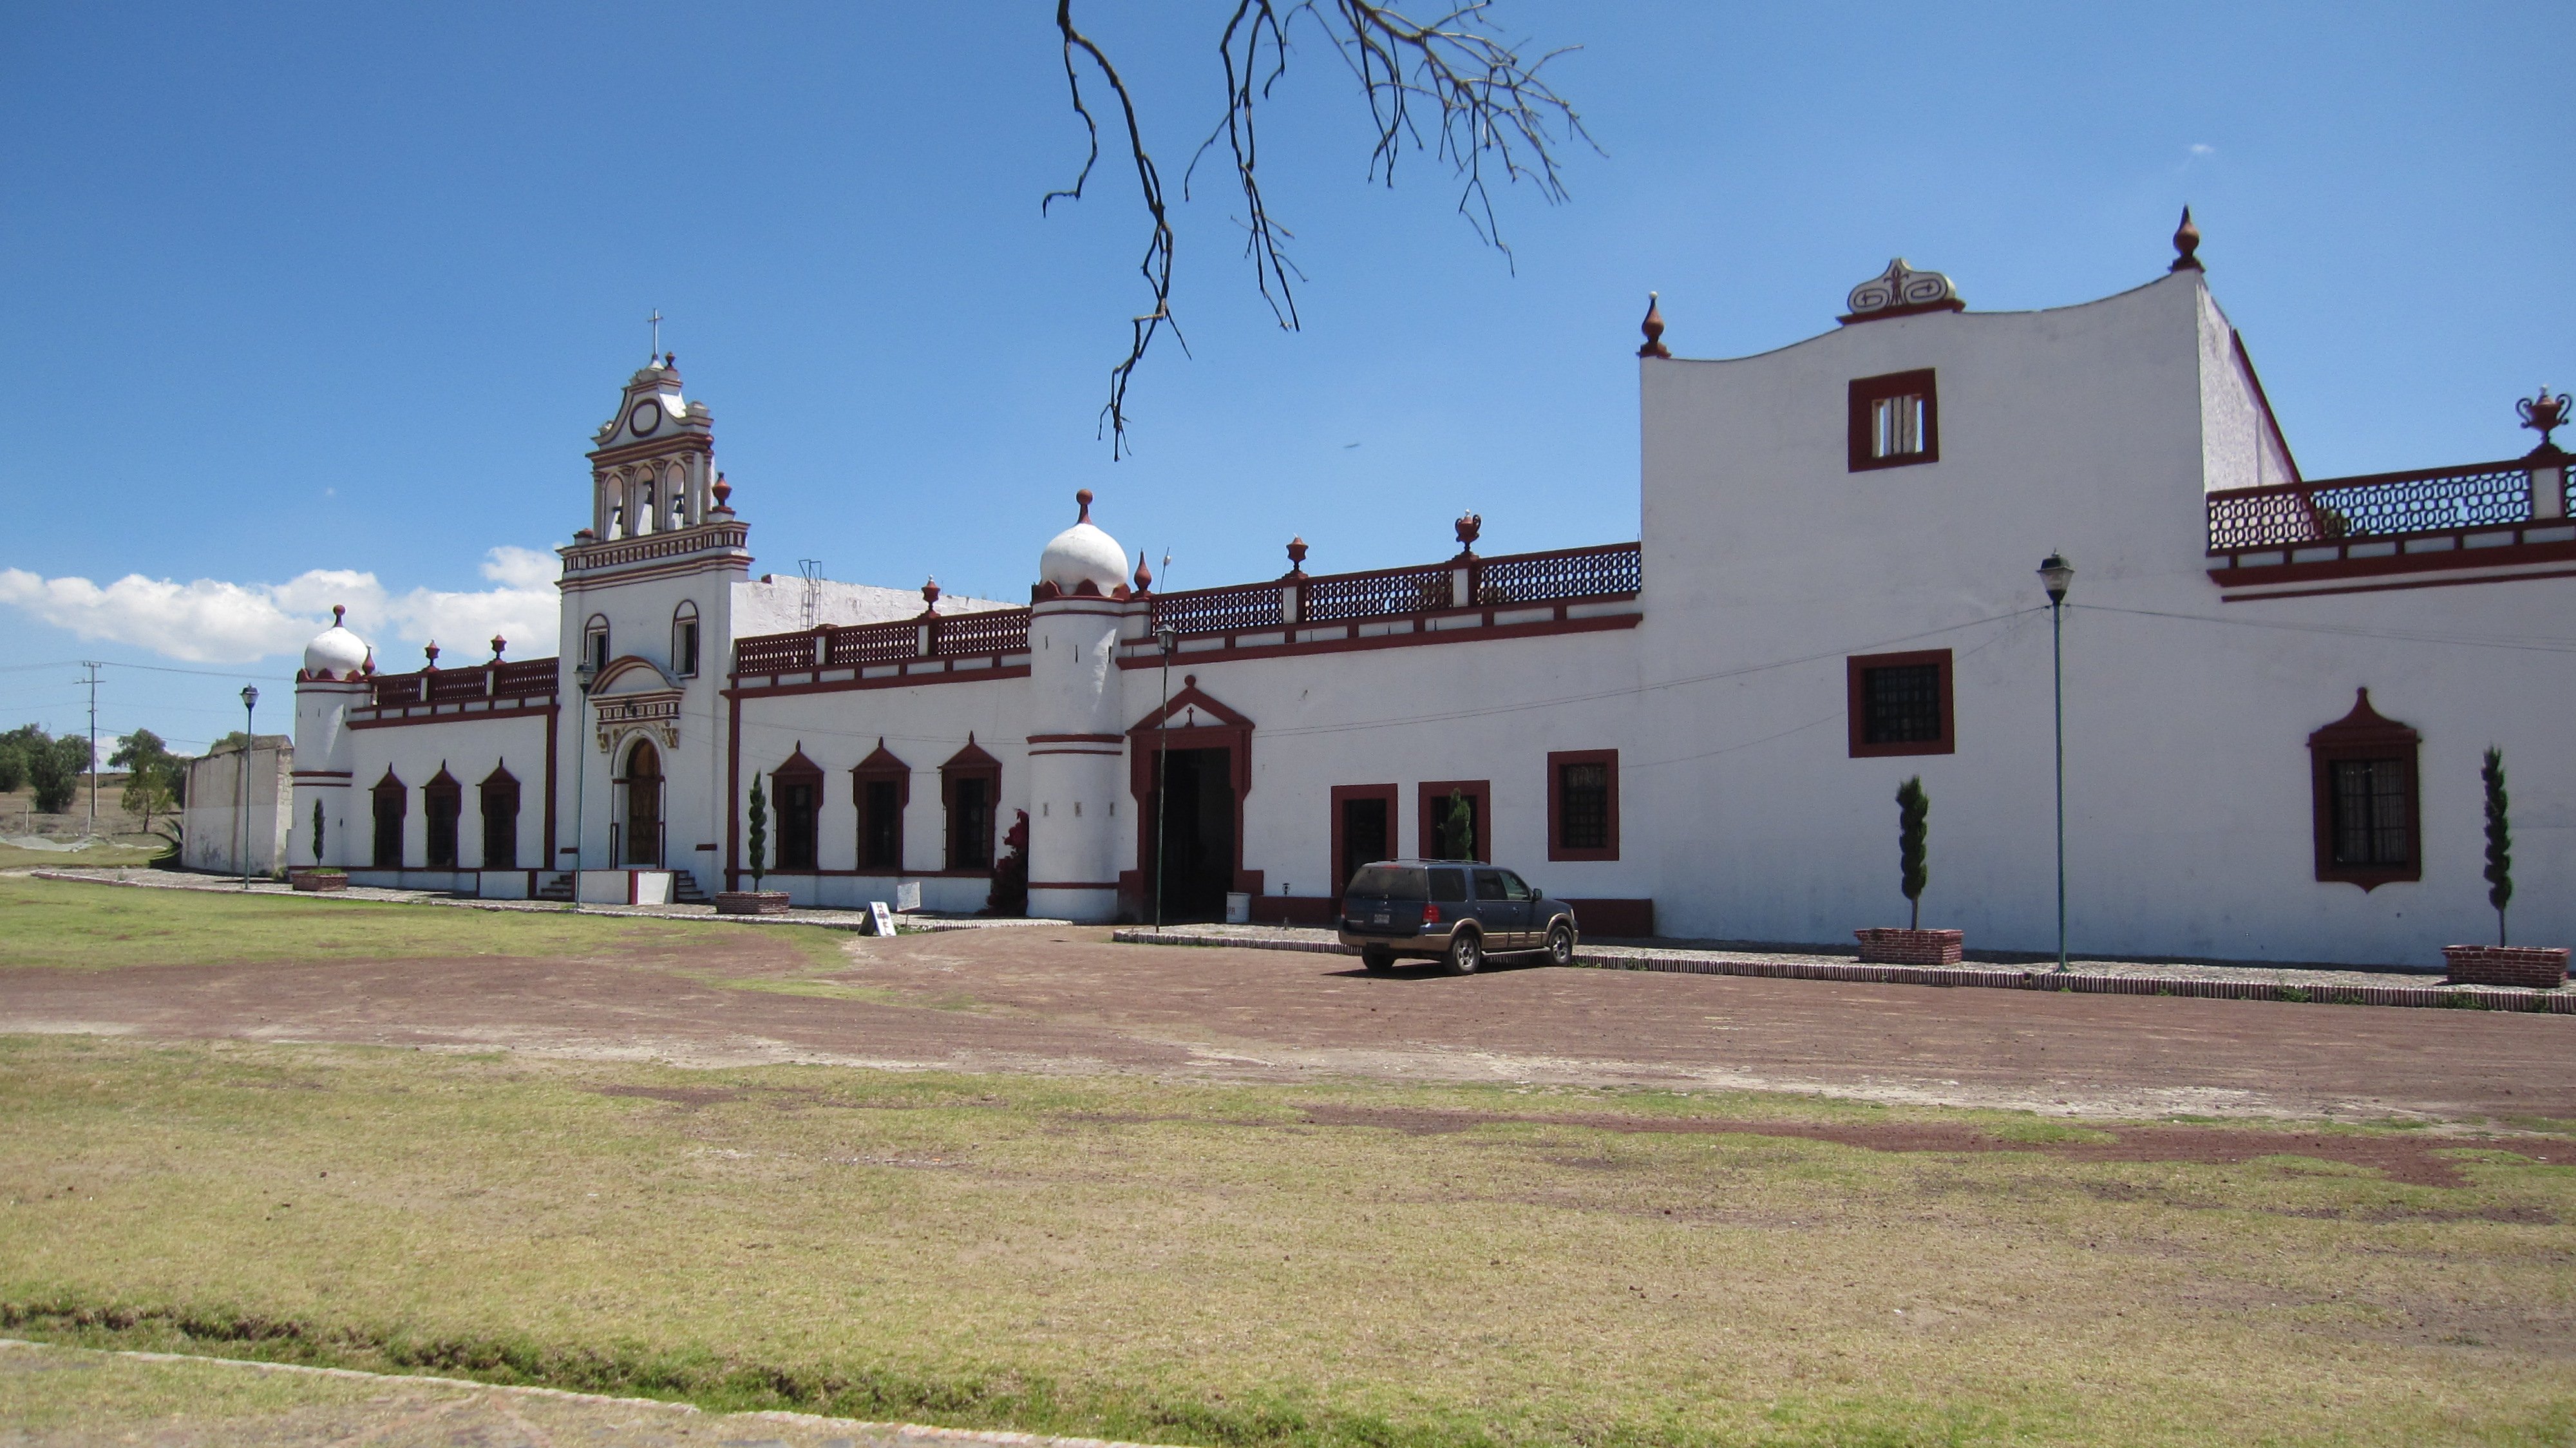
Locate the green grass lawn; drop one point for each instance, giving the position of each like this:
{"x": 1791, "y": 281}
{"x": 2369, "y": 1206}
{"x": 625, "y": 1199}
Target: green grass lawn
{"x": 96, "y": 927}
{"x": 1303, "y": 1265}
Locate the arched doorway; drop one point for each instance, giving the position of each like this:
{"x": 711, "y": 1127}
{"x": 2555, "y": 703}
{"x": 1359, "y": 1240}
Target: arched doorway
{"x": 643, "y": 829}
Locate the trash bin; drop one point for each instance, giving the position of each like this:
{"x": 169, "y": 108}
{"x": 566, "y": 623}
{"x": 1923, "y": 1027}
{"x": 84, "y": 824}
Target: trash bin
{"x": 1238, "y": 908}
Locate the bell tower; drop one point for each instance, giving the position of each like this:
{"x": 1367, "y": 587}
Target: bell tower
{"x": 652, "y": 466}
{"x": 647, "y": 630}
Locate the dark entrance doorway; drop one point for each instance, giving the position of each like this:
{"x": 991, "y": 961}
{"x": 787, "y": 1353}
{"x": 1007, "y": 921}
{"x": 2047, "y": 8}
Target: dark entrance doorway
{"x": 644, "y": 805}
{"x": 1196, "y": 830}
{"x": 1367, "y": 834}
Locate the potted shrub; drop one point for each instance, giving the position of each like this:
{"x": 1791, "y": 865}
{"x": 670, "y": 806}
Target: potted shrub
{"x": 2541, "y": 967}
{"x": 319, "y": 877}
{"x": 1912, "y": 945}
{"x": 754, "y": 901}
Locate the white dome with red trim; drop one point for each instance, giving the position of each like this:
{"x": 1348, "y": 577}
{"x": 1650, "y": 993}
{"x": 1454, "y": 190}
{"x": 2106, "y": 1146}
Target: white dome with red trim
{"x": 335, "y": 653}
{"x": 1083, "y": 554}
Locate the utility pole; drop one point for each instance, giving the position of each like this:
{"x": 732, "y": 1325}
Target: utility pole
{"x": 92, "y": 681}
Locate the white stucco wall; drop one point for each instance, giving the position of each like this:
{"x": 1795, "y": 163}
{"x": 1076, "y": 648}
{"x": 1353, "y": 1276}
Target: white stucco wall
{"x": 213, "y": 836}
{"x": 2188, "y": 802}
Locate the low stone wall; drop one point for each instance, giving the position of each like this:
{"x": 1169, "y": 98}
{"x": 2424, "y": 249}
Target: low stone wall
{"x": 1898, "y": 946}
{"x": 2531, "y": 967}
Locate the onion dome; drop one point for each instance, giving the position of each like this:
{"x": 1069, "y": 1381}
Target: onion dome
{"x": 335, "y": 653}
{"x": 1083, "y": 554}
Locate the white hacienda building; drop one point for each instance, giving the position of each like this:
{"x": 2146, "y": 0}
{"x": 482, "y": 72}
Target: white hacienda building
{"x": 2277, "y": 691}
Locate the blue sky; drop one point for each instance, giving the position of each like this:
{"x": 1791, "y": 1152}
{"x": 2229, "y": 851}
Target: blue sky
{"x": 343, "y": 290}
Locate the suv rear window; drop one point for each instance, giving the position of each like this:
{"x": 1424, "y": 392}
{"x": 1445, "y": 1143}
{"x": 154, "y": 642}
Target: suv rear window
{"x": 1448, "y": 885}
{"x": 1388, "y": 882}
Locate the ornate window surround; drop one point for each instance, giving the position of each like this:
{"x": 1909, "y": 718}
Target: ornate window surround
{"x": 2364, "y": 733}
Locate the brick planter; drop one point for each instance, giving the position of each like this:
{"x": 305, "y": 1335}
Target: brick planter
{"x": 320, "y": 881}
{"x": 751, "y": 902}
{"x": 1895, "y": 946}
{"x": 2540, "y": 967}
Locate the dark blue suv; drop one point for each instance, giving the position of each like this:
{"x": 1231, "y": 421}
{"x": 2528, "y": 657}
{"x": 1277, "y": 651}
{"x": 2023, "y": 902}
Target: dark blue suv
{"x": 1454, "y": 911}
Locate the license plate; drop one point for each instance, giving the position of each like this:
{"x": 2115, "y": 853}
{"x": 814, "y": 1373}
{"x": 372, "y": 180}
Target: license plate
{"x": 1380, "y": 919}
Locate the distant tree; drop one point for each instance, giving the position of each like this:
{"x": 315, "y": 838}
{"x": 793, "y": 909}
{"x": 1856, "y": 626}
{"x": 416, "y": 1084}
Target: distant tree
{"x": 153, "y": 775}
{"x": 54, "y": 768}
{"x": 759, "y": 829}
{"x": 2499, "y": 839}
{"x": 317, "y": 833}
{"x": 13, "y": 756}
{"x": 1453, "y": 86}
{"x": 1913, "y": 807}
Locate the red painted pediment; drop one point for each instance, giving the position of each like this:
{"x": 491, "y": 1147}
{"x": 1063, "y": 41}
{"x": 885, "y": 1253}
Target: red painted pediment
{"x": 2364, "y": 725}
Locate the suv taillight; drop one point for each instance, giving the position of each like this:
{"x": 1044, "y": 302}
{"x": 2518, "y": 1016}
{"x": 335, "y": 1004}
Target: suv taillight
{"x": 1430, "y": 914}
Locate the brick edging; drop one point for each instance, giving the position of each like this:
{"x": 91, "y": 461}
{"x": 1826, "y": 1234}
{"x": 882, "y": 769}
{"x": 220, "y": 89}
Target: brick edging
{"x": 1975, "y": 977}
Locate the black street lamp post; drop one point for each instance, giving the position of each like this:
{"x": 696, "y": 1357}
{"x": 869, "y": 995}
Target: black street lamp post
{"x": 2057, "y": 575}
{"x": 250, "y": 703}
{"x": 583, "y": 674}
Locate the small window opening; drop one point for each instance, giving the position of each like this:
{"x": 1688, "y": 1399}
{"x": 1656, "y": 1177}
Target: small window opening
{"x": 1895, "y": 420}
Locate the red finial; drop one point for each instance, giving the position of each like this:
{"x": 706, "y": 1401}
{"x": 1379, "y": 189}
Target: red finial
{"x": 1144, "y": 575}
{"x": 1296, "y": 557}
{"x": 930, "y": 595}
{"x": 498, "y": 644}
{"x": 1084, "y": 498}
{"x": 1653, "y": 327}
{"x": 1469, "y": 525}
{"x": 2544, "y": 414}
{"x": 337, "y": 610}
{"x": 2186, "y": 241}
{"x": 671, "y": 360}
{"x": 432, "y": 651}
{"x": 723, "y": 490}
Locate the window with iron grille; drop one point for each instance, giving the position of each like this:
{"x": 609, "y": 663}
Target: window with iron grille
{"x": 796, "y": 823}
{"x": 1895, "y": 420}
{"x": 391, "y": 805}
{"x": 442, "y": 802}
{"x": 2369, "y": 828}
{"x": 1900, "y": 703}
{"x": 2371, "y": 812}
{"x": 1583, "y": 804}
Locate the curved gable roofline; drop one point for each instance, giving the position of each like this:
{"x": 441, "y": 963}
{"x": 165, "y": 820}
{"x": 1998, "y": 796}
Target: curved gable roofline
{"x": 2171, "y": 278}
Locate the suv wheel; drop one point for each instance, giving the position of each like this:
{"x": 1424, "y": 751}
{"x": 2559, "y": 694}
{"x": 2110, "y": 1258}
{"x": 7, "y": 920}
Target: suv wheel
{"x": 1466, "y": 952}
{"x": 1560, "y": 944}
{"x": 1377, "y": 959}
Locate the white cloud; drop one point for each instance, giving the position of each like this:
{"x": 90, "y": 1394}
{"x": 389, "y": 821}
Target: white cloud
{"x": 213, "y": 621}
{"x": 2201, "y": 149}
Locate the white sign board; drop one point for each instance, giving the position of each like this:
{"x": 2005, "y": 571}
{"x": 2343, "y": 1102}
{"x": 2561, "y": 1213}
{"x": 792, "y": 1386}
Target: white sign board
{"x": 907, "y": 894}
{"x": 880, "y": 919}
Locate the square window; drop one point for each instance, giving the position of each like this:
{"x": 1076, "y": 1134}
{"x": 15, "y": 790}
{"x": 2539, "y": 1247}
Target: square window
{"x": 1899, "y": 704}
{"x": 1583, "y": 804}
{"x": 1895, "y": 420}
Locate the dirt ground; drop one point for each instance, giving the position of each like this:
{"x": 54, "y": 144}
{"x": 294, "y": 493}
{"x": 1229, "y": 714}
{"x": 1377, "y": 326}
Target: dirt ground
{"x": 1067, "y": 1000}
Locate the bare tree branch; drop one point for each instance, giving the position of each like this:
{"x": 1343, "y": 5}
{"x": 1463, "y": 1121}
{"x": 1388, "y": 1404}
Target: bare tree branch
{"x": 1451, "y": 86}
{"x": 1157, "y": 263}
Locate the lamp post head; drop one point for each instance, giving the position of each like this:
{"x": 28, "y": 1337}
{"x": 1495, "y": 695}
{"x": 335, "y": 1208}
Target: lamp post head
{"x": 582, "y": 674}
{"x": 2056, "y": 575}
{"x": 249, "y": 697}
{"x": 1167, "y": 638}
